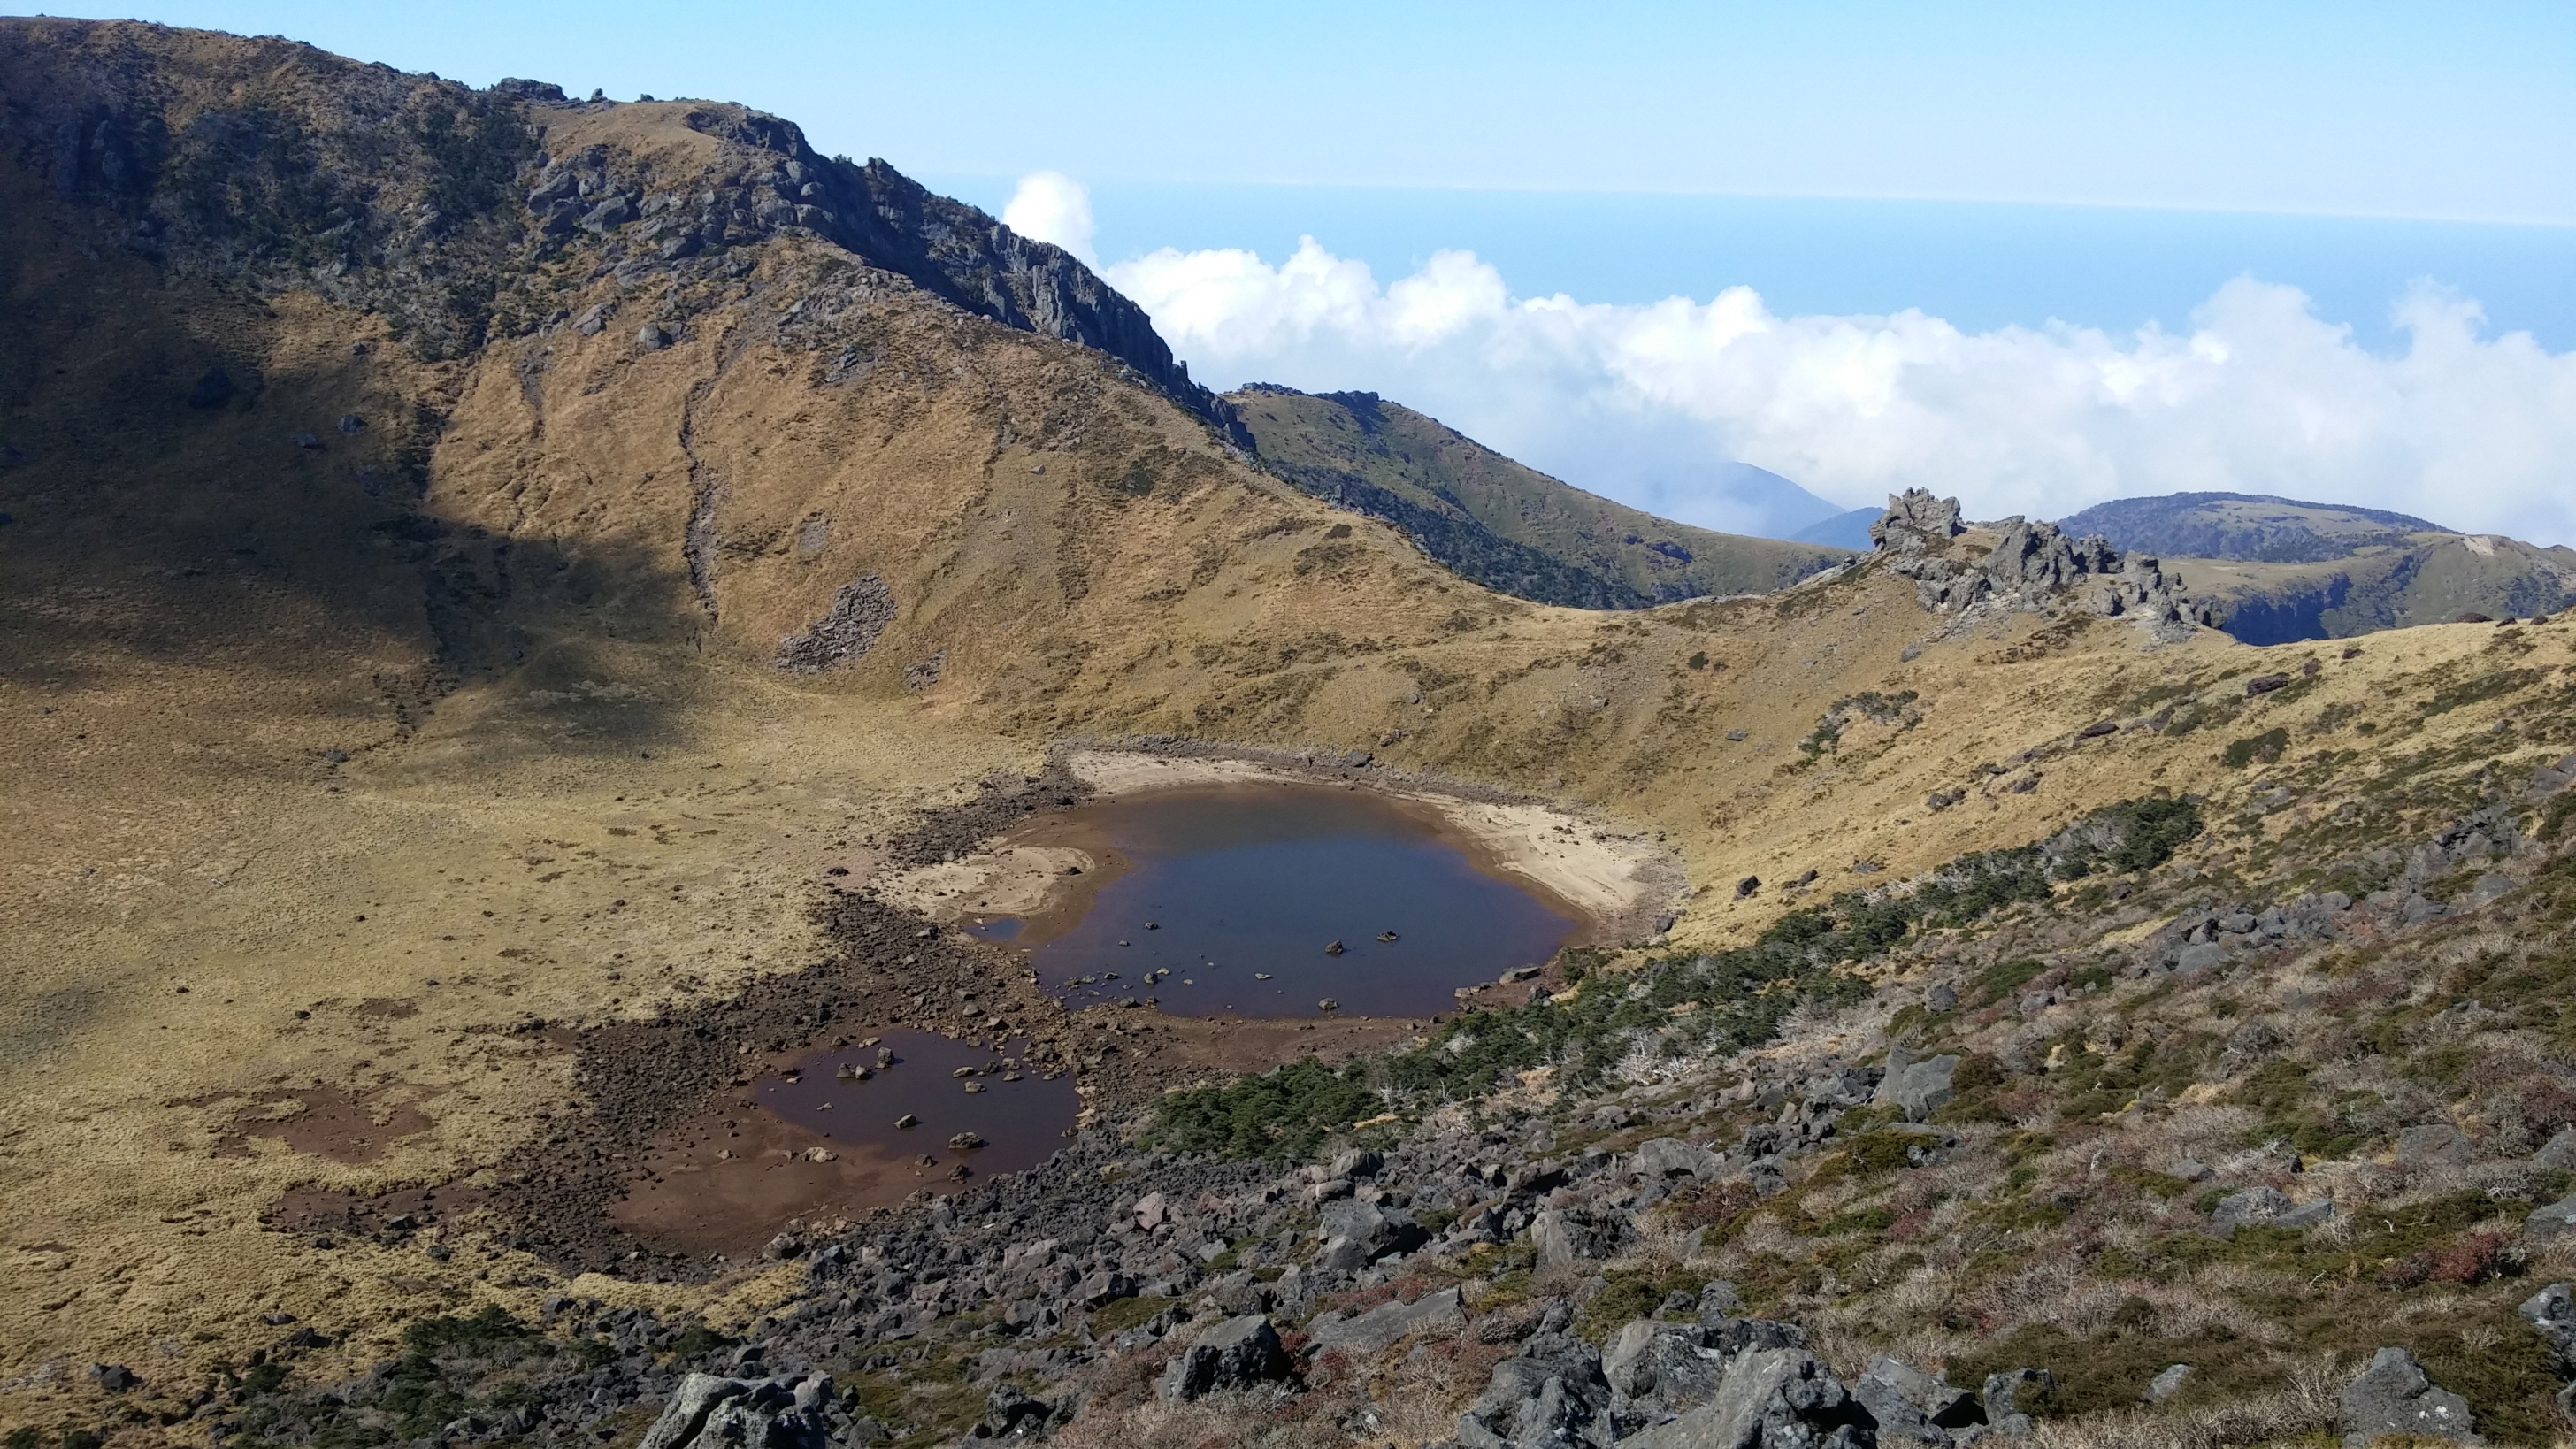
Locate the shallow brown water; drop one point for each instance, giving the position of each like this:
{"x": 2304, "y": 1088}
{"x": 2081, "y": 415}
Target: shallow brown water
{"x": 1225, "y": 886}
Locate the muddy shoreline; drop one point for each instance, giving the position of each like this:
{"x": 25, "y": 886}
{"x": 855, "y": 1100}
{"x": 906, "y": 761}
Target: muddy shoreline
{"x": 569, "y": 1196}
{"x": 1616, "y": 886}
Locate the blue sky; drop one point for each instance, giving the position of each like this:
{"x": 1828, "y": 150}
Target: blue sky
{"x": 2462, "y": 110}
{"x": 2033, "y": 254}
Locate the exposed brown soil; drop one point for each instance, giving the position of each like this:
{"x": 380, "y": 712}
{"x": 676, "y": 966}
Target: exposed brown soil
{"x": 328, "y": 1122}
{"x": 723, "y": 1181}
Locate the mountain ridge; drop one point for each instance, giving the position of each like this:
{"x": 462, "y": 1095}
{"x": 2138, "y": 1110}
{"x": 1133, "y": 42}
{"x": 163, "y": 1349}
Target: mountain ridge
{"x": 252, "y": 189}
{"x": 2283, "y": 570}
{"x": 1498, "y": 521}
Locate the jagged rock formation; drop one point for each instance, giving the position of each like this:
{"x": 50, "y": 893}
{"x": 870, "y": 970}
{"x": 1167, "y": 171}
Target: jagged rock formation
{"x": 2032, "y": 568}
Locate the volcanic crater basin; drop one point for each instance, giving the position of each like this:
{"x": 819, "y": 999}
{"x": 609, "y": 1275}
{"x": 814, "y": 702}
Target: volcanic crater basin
{"x": 1226, "y": 887}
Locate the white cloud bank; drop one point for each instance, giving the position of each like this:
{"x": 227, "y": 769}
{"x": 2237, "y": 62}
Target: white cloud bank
{"x": 1646, "y": 402}
{"x": 1050, "y": 206}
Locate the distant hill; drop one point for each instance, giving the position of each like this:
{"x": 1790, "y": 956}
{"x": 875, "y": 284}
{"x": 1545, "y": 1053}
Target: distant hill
{"x": 1843, "y": 530}
{"x": 1498, "y": 522}
{"x": 2247, "y": 526}
{"x": 2286, "y": 570}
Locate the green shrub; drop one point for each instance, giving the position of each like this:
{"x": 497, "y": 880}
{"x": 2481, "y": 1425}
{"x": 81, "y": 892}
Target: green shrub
{"x": 2483, "y": 688}
{"x": 1289, "y": 1112}
{"x": 1631, "y": 1295}
{"x": 698, "y": 1341}
{"x": 2266, "y": 747}
{"x": 474, "y": 1337}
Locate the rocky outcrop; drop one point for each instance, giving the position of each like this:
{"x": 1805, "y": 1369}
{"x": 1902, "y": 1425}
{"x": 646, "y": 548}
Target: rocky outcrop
{"x": 2033, "y": 568}
{"x": 1778, "y": 1398}
{"x": 1909, "y": 1406}
{"x": 1915, "y": 1085}
{"x": 1357, "y": 1234}
{"x": 718, "y": 1413}
{"x": 2395, "y": 1396}
{"x": 1916, "y": 523}
{"x": 1233, "y": 1355}
{"x": 1384, "y": 1326}
{"x": 1551, "y": 1394}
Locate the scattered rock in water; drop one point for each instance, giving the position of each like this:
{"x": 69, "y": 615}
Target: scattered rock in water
{"x": 907, "y": 1120}
{"x": 1328, "y": 1004}
{"x": 1333, "y": 948}
{"x": 974, "y": 1086}
{"x": 1388, "y": 936}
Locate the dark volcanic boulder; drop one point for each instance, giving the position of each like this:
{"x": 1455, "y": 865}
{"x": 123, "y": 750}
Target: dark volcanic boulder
{"x": 1236, "y": 1353}
{"x": 2394, "y": 1396}
{"x": 709, "y": 1412}
{"x": 1553, "y": 1394}
{"x": 1772, "y": 1399}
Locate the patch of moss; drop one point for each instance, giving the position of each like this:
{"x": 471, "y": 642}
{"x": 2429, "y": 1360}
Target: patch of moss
{"x": 1630, "y": 1295}
{"x": 1121, "y": 1314}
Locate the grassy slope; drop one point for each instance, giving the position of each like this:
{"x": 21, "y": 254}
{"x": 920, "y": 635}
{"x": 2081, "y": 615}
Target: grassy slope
{"x": 2432, "y": 579}
{"x": 540, "y": 718}
{"x": 2063, "y": 1216}
{"x": 1506, "y": 526}
{"x": 2289, "y": 568}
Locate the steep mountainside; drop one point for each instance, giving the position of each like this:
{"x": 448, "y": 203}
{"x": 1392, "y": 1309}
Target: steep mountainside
{"x": 475, "y": 680}
{"x": 1508, "y": 527}
{"x": 1850, "y": 530}
{"x": 2282, "y": 571}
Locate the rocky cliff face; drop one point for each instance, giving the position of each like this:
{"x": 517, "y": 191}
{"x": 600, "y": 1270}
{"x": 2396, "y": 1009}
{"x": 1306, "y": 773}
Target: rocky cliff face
{"x": 284, "y": 166}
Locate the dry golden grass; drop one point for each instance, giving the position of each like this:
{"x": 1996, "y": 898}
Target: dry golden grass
{"x": 578, "y": 728}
